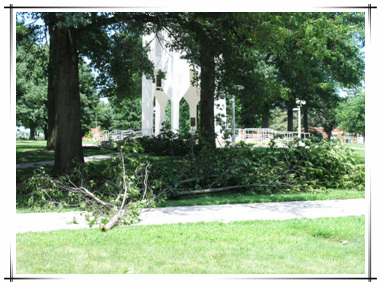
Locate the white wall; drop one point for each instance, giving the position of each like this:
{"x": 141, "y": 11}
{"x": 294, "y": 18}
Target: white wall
{"x": 176, "y": 85}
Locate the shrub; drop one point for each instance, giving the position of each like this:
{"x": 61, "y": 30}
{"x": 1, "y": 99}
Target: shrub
{"x": 168, "y": 143}
{"x": 303, "y": 165}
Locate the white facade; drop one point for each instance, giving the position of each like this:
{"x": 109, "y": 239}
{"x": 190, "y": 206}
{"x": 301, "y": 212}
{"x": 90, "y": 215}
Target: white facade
{"x": 177, "y": 84}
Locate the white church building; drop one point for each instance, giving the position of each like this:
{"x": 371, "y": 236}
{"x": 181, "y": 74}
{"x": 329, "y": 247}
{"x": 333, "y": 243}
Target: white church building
{"x": 176, "y": 85}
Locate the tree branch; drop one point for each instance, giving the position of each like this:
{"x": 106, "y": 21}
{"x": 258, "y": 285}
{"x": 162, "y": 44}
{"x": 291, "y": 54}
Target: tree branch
{"x": 222, "y": 189}
{"x": 117, "y": 18}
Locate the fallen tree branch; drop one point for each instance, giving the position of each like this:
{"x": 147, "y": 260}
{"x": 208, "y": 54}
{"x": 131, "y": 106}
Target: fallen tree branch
{"x": 222, "y": 189}
{"x": 197, "y": 178}
{"x": 115, "y": 219}
{"x": 82, "y": 190}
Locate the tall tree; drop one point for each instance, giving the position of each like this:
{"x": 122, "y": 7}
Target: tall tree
{"x": 325, "y": 114}
{"x": 70, "y": 34}
{"x": 105, "y": 115}
{"x": 89, "y": 98}
{"x": 351, "y": 114}
{"x": 31, "y": 84}
{"x": 317, "y": 51}
{"x": 213, "y": 42}
{"x": 31, "y": 89}
{"x": 127, "y": 113}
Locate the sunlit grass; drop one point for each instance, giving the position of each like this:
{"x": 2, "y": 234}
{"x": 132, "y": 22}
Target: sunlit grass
{"x": 250, "y": 197}
{"x": 358, "y": 145}
{"x": 28, "y": 151}
{"x": 359, "y": 155}
{"x": 298, "y": 246}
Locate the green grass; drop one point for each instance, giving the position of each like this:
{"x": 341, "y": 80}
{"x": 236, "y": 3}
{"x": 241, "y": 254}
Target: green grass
{"x": 23, "y": 174}
{"x": 249, "y": 197}
{"x": 30, "y": 145}
{"x": 28, "y": 151}
{"x": 357, "y": 145}
{"x": 298, "y": 246}
{"x": 359, "y": 155}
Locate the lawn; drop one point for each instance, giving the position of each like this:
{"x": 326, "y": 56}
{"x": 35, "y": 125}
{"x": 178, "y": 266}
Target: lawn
{"x": 298, "y": 246}
{"x": 359, "y": 155}
{"x": 242, "y": 197}
{"x": 357, "y": 145}
{"x": 34, "y": 151}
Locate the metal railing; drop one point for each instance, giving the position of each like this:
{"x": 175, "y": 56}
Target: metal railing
{"x": 117, "y": 135}
{"x": 267, "y": 134}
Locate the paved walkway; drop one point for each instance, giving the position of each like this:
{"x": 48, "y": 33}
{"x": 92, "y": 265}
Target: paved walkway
{"x": 357, "y": 148}
{"x": 36, "y": 222}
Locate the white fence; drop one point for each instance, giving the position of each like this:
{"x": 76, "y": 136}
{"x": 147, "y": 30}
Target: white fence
{"x": 117, "y": 134}
{"x": 267, "y": 134}
{"x": 246, "y": 134}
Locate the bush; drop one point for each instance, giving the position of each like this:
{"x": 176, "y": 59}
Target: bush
{"x": 303, "y": 165}
{"x": 168, "y": 144}
{"x": 328, "y": 164}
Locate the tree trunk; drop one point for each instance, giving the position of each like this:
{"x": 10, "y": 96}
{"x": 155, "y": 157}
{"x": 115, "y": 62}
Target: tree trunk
{"x": 67, "y": 102}
{"x": 328, "y": 131}
{"x": 305, "y": 120}
{"x": 45, "y": 128}
{"x": 51, "y": 129}
{"x": 32, "y": 132}
{"x": 52, "y": 77}
{"x": 208, "y": 87}
{"x": 290, "y": 119}
{"x": 266, "y": 116}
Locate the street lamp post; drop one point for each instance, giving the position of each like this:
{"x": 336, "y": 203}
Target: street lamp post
{"x": 300, "y": 103}
{"x": 233, "y": 121}
{"x": 239, "y": 87}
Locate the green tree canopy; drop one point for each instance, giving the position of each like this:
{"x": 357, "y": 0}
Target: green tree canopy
{"x": 31, "y": 80}
{"x": 351, "y": 114}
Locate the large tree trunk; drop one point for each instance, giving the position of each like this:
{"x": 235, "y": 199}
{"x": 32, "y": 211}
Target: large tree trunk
{"x": 67, "y": 102}
{"x": 52, "y": 77}
{"x": 51, "y": 128}
{"x": 32, "y": 132}
{"x": 290, "y": 119}
{"x": 208, "y": 87}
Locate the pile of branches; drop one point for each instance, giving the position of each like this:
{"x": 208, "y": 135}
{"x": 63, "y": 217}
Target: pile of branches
{"x": 301, "y": 166}
{"x": 118, "y": 196}
{"x": 131, "y": 182}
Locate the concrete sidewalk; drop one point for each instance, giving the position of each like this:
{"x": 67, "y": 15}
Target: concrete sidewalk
{"x": 35, "y": 222}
